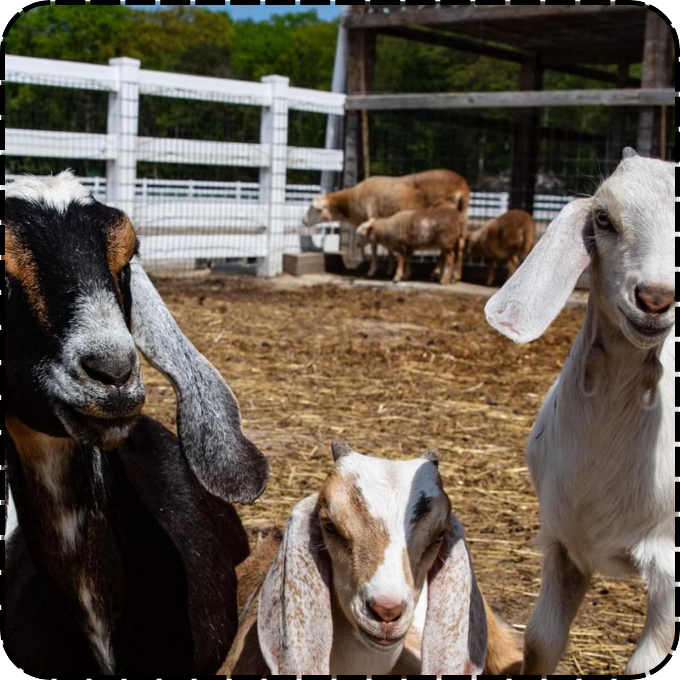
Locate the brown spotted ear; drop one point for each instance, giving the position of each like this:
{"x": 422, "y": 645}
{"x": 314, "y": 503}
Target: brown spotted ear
{"x": 208, "y": 417}
{"x": 455, "y": 634}
{"x": 294, "y": 622}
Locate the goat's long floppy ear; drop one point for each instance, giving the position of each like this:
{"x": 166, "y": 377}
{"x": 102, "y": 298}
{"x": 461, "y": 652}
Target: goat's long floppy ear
{"x": 208, "y": 418}
{"x": 294, "y": 621}
{"x": 455, "y": 635}
{"x": 531, "y": 299}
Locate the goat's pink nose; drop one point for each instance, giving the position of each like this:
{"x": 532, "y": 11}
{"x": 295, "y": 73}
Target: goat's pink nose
{"x": 386, "y": 609}
{"x": 654, "y": 299}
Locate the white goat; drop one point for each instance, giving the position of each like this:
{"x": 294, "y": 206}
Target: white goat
{"x": 340, "y": 593}
{"x": 602, "y": 451}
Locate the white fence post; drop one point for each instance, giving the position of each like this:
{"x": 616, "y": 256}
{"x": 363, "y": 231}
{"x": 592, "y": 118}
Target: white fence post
{"x": 122, "y": 126}
{"x": 274, "y": 133}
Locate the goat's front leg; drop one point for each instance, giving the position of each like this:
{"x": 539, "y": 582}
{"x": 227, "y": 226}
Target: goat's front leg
{"x": 459, "y": 255}
{"x": 657, "y": 635}
{"x": 400, "y": 268}
{"x": 491, "y": 276}
{"x": 438, "y": 270}
{"x": 447, "y": 273}
{"x": 563, "y": 587}
{"x": 513, "y": 263}
{"x": 372, "y": 270}
{"x": 407, "y": 269}
{"x": 391, "y": 263}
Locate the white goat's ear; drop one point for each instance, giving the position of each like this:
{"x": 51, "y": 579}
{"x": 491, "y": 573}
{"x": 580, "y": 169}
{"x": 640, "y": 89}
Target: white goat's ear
{"x": 531, "y": 299}
{"x": 629, "y": 152}
{"x": 340, "y": 449}
{"x": 455, "y": 635}
{"x": 294, "y": 622}
{"x": 208, "y": 418}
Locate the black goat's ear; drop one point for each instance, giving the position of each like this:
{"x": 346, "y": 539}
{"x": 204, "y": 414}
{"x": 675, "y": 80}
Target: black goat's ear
{"x": 432, "y": 455}
{"x": 339, "y": 449}
{"x": 225, "y": 462}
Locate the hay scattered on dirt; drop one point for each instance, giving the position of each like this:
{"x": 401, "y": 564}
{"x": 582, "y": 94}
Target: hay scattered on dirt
{"x": 395, "y": 372}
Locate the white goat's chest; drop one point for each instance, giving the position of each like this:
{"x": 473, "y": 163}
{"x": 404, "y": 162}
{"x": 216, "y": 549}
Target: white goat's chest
{"x": 603, "y": 473}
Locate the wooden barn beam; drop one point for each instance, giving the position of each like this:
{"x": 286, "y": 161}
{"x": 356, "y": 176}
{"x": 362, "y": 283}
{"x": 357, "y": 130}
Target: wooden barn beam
{"x": 514, "y": 99}
{"x": 657, "y": 72}
{"x": 464, "y": 45}
{"x": 461, "y": 14}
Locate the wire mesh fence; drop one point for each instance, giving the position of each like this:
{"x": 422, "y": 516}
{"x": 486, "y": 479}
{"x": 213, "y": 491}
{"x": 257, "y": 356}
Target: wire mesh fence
{"x": 574, "y": 149}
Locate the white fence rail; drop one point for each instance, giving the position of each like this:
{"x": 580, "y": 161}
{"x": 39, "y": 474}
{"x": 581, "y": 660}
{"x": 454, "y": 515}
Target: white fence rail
{"x": 259, "y": 220}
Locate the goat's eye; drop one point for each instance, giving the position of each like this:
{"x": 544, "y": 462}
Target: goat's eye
{"x": 603, "y": 222}
{"x": 329, "y": 527}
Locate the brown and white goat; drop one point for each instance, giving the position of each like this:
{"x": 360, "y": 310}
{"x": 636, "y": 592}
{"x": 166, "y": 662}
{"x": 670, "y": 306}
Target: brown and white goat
{"x": 123, "y": 559}
{"x": 384, "y": 196}
{"x": 508, "y": 238}
{"x": 427, "y": 229}
{"x": 372, "y": 576}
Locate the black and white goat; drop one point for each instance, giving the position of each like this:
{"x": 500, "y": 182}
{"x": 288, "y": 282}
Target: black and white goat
{"x": 123, "y": 560}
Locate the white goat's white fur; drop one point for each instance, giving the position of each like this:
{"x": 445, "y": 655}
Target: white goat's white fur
{"x": 601, "y": 453}
{"x": 56, "y": 192}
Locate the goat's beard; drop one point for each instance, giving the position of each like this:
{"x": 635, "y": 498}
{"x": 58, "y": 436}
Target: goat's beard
{"x": 105, "y": 434}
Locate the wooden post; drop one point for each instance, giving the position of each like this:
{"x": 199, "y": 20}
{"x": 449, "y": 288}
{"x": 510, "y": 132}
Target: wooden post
{"x": 360, "y": 69}
{"x": 526, "y": 141}
{"x": 361, "y": 50}
{"x": 615, "y": 139}
{"x": 121, "y": 127}
{"x": 657, "y": 72}
{"x": 274, "y": 134}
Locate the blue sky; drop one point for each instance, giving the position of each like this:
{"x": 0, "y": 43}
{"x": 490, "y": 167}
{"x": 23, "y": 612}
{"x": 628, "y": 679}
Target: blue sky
{"x": 266, "y": 11}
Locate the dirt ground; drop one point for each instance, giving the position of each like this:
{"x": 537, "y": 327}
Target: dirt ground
{"x": 395, "y": 372}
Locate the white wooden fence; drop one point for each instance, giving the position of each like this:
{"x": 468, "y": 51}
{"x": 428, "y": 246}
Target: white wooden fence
{"x": 206, "y": 220}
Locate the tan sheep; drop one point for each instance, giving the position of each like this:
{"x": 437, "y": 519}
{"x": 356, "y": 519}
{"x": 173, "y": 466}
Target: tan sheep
{"x": 409, "y": 230}
{"x": 385, "y": 196}
{"x": 508, "y": 238}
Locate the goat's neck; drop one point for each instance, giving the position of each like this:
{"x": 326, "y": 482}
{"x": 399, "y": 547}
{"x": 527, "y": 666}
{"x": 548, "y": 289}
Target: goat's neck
{"x": 64, "y": 513}
{"x": 607, "y": 363}
{"x": 349, "y": 656}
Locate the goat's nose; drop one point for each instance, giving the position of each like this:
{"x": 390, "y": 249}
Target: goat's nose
{"x": 654, "y": 299}
{"x": 386, "y": 610}
{"x": 115, "y": 369}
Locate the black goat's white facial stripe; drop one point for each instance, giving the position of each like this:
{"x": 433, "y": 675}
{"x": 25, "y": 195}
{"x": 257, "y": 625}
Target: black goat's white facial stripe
{"x": 98, "y": 329}
{"x": 56, "y": 192}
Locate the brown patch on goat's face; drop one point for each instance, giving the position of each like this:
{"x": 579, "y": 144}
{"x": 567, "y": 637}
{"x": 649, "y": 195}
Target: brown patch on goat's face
{"x": 21, "y": 265}
{"x": 364, "y": 537}
{"x": 121, "y": 242}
